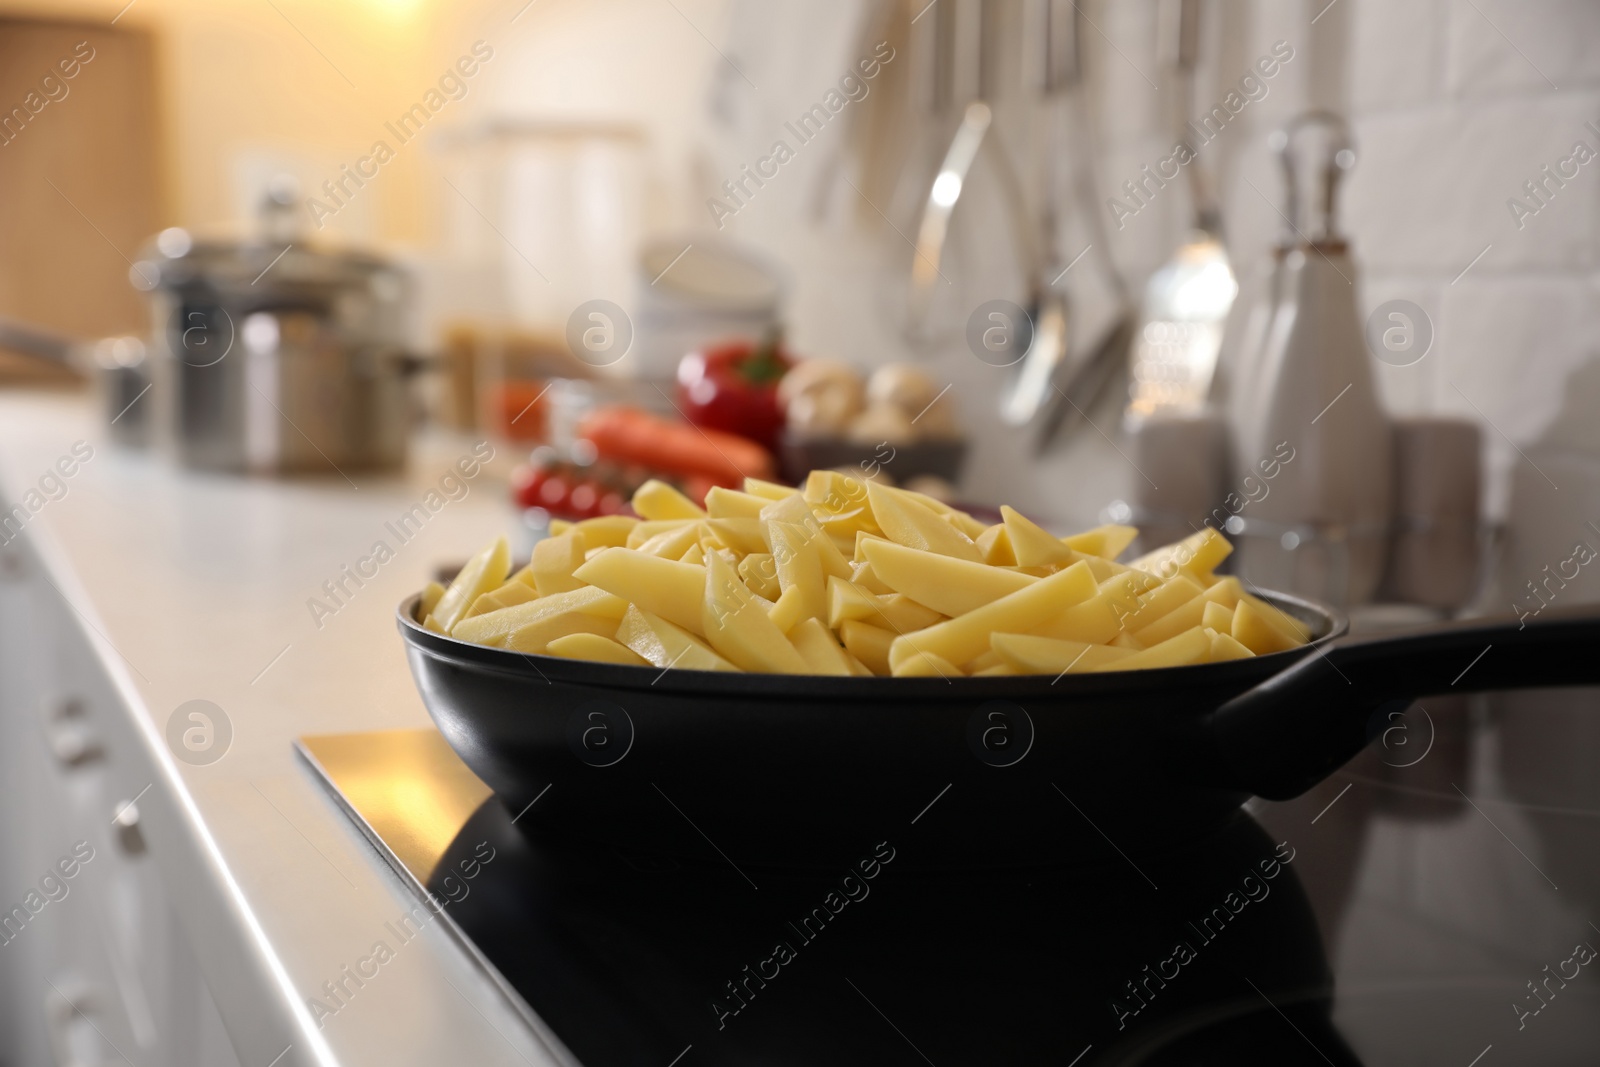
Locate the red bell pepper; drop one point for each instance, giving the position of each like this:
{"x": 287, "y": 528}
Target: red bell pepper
{"x": 733, "y": 386}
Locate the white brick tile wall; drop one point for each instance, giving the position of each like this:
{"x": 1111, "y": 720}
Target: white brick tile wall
{"x": 1506, "y": 347}
{"x": 1457, "y": 103}
{"x": 1431, "y": 185}
{"x": 1405, "y": 390}
{"x": 1499, "y": 46}
{"x": 1397, "y": 53}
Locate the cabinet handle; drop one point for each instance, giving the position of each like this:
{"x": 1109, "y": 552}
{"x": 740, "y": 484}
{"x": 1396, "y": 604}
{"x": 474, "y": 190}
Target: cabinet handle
{"x": 66, "y": 1012}
{"x": 126, "y": 814}
{"x": 126, "y": 818}
{"x": 71, "y": 740}
{"x": 73, "y": 745}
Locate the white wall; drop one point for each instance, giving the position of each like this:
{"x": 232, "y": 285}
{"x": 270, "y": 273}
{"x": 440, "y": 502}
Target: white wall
{"x": 1454, "y": 104}
{"x": 1457, "y": 105}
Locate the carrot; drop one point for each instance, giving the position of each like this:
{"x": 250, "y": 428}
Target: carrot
{"x": 516, "y": 411}
{"x": 630, "y": 435}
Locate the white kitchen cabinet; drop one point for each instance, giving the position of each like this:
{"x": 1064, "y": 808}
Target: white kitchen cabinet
{"x": 253, "y": 888}
{"x": 104, "y": 974}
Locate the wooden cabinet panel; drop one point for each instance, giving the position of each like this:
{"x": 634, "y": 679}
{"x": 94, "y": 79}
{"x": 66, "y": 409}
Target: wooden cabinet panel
{"x": 79, "y": 173}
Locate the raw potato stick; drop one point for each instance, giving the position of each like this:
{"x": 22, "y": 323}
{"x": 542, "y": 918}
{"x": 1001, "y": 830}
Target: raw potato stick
{"x": 848, "y": 577}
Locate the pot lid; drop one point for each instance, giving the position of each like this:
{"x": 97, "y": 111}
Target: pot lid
{"x": 279, "y": 261}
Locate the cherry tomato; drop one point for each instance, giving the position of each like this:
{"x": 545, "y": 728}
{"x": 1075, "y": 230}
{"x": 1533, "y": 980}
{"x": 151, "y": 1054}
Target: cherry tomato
{"x": 584, "y": 501}
{"x": 554, "y": 493}
{"x": 526, "y": 482}
{"x": 613, "y": 503}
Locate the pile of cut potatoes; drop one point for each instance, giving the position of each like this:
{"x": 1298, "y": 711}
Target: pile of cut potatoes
{"x": 849, "y": 577}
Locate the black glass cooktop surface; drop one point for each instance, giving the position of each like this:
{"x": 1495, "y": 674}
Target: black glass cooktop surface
{"x": 1433, "y": 903}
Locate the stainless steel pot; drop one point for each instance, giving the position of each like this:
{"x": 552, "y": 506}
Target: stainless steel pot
{"x": 269, "y": 356}
{"x": 115, "y": 367}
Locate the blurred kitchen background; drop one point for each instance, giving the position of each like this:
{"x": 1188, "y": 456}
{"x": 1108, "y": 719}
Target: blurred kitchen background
{"x": 538, "y": 155}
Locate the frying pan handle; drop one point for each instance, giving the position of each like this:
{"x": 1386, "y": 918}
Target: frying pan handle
{"x": 1299, "y": 726}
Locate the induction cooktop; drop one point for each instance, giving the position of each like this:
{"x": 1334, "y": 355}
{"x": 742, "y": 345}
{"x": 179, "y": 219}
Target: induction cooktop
{"x": 1433, "y": 903}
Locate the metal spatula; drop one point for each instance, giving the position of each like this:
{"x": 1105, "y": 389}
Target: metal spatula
{"x": 1187, "y": 300}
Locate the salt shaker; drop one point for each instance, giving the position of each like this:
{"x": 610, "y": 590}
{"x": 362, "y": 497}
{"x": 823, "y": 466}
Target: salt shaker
{"x": 1181, "y": 459}
{"x": 1434, "y": 551}
{"x": 1324, "y": 529}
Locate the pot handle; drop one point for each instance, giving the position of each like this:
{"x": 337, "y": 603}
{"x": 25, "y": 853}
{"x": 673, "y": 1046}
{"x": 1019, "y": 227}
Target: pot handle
{"x": 414, "y": 363}
{"x": 1302, "y": 724}
{"x": 16, "y": 336}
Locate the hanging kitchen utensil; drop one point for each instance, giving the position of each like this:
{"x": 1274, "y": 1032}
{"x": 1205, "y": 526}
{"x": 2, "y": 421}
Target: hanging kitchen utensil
{"x": 1077, "y": 383}
{"x": 1058, "y": 74}
{"x": 1187, "y": 300}
{"x": 1070, "y": 400}
{"x": 963, "y": 76}
{"x": 940, "y": 54}
{"x": 1313, "y": 404}
{"x": 1060, "y": 399}
{"x": 943, "y": 195}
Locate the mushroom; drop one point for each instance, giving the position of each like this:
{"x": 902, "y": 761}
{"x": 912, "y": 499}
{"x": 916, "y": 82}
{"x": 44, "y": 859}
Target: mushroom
{"x": 820, "y": 397}
{"x": 938, "y": 419}
{"x": 882, "y": 422}
{"x": 906, "y": 387}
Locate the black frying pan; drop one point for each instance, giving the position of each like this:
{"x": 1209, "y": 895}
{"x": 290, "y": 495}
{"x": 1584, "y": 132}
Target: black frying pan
{"x": 798, "y": 771}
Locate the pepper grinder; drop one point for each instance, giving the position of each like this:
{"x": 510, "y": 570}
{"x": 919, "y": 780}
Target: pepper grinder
{"x": 1323, "y": 530}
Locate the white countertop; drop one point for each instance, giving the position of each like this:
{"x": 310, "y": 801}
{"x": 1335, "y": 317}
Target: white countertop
{"x": 194, "y": 586}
